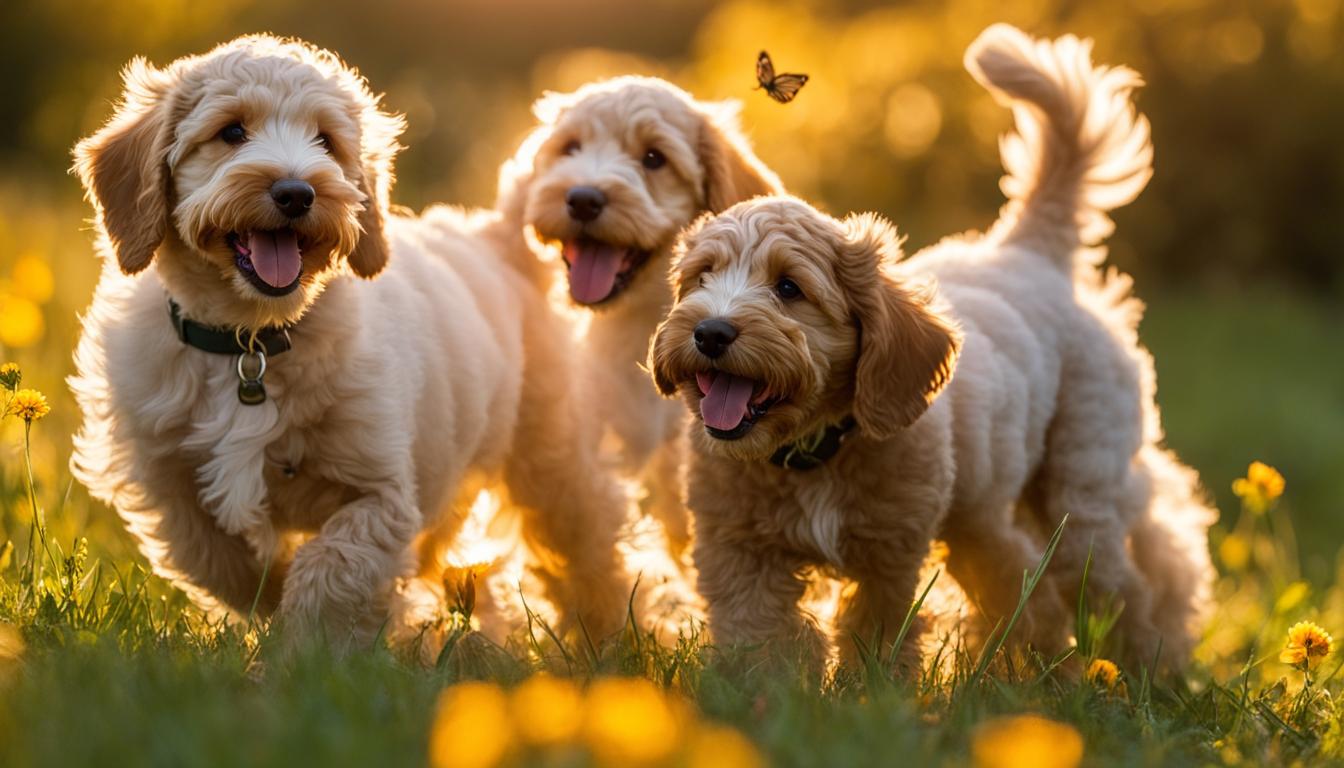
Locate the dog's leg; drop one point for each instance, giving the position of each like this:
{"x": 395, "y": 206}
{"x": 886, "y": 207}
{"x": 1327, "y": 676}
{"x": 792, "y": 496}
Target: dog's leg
{"x": 989, "y": 559}
{"x": 340, "y": 581}
{"x": 667, "y": 504}
{"x": 185, "y": 545}
{"x": 752, "y": 595}
{"x": 573, "y": 510}
{"x": 886, "y": 572}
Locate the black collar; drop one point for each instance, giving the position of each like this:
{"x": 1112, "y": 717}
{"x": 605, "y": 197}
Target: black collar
{"x": 814, "y": 451}
{"x": 227, "y": 341}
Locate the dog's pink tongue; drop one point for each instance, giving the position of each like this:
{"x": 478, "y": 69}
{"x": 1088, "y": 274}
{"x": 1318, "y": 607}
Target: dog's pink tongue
{"x": 592, "y": 269}
{"x": 275, "y": 256}
{"x": 724, "y": 406}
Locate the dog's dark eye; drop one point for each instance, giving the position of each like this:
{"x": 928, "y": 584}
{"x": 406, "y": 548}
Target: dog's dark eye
{"x": 325, "y": 141}
{"x": 653, "y": 160}
{"x": 788, "y": 290}
{"x": 233, "y": 134}
{"x": 572, "y": 147}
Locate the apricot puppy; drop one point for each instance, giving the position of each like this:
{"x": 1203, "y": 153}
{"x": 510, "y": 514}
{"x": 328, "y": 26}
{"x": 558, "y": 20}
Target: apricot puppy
{"x": 853, "y": 405}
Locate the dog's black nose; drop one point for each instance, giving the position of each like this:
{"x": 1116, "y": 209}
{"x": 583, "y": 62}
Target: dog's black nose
{"x": 585, "y": 203}
{"x": 713, "y": 336}
{"x": 293, "y": 196}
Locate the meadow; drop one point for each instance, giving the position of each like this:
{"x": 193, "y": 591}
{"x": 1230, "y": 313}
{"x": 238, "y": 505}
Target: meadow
{"x": 1233, "y": 246}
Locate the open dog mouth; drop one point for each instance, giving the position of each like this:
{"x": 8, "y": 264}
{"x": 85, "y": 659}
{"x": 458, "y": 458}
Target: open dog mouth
{"x": 270, "y": 259}
{"x": 599, "y": 271}
{"x": 730, "y": 404}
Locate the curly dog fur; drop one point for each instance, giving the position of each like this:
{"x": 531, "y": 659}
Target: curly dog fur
{"x": 996, "y": 384}
{"x": 399, "y": 395}
{"x": 600, "y": 139}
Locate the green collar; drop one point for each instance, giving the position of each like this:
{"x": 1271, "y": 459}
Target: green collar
{"x": 814, "y": 450}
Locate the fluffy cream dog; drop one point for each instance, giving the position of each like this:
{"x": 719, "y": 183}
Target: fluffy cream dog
{"x": 610, "y": 177}
{"x": 835, "y": 431}
{"x": 248, "y": 187}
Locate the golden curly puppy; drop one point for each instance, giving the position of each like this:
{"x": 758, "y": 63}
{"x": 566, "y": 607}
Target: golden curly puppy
{"x": 610, "y": 177}
{"x": 250, "y": 401}
{"x": 836, "y": 433}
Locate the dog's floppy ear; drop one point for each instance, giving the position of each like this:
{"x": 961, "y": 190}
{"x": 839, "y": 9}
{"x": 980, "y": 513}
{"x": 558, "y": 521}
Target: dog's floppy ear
{"x": 665, "y": 385}
{"x": 907, "y": 349}
{"x": 378, "y": 148}
{"x": 733, "y": 173}
{"x": 124, "y": 167}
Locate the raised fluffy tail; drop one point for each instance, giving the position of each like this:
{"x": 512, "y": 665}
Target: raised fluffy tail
{"x": 1080, "y": 148}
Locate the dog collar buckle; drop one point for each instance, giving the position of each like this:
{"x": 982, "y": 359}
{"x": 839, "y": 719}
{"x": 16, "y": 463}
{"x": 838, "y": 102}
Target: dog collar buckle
{"x": 251, "y": 368}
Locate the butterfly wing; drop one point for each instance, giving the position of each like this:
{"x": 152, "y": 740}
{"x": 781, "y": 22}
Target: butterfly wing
{"x": 765, "y": 70}
{"x": 784, "y": 87}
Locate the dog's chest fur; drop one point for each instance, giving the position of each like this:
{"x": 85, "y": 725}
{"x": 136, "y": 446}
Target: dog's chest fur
{"x": 255, "y": 466}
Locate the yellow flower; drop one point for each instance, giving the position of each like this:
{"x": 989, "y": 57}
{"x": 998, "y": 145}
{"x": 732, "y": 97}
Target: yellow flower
{"x": 31, "y": 278}
{"x": 10, "y": 376}
{"x": 715, "y": 746}
{"x": 472, "y": 727}
{"x": 1026, "y": 741}
{"x": 1259, "y": 489}
{"x": 29, "y": 405}
{"x": 21, "y": 323}
{"x": 547, "y": 710}
{"x": 1234, "y": 551}
{"x": 1103, "y": 673}
{"x": 629, "y": 722}
{"x": 1307, "y": 645}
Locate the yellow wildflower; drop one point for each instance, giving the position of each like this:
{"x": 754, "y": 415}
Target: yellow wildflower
{"x": 29, "y": 405}
{"x": 715, "y": 746}
{"x": 1234, "y": 551}
{"x": 31, "y": 278}
{"x": 1307, "y": 646}
{"x": 10, "y": 376}
{"x": 547, "y": 710}
{"x": 1260, "y": 488}
{"x": 629, "y": 722}
{"x": 472, "y": 727}
{"x": 21, "y": 322}
{"x": 1103, "y": 673}
{"x": 1026, "y": 741}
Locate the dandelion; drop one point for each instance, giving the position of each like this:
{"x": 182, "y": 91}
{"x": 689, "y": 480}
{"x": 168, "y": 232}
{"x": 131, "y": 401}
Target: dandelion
{"x": 10, "y": 376}
{"x": 1026, "y": 741}
{"x": 547, "y": 710}
{"x": 1103, "y": 673}
{"x": 1260, "y": 488}
{"x": 1307, "y": 646}
{"x": 472, "y": 728}
{"x": 29, "y": 405}
{"x": 716, "y": 746}
{"x": 629, "y": 722}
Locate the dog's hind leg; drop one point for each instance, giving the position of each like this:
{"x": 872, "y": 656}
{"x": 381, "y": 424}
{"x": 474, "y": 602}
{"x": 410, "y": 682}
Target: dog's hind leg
{"x": 1088, "y": 476}
{"x": 990, "y": 559}
{"x": 573, "y": 510}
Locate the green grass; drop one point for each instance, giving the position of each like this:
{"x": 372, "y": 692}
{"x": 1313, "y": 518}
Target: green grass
{"x": 118, "y": 670}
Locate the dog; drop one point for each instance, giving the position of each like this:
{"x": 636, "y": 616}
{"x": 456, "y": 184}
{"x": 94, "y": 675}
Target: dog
{"x": 853, "y": 405}
{"x": 242, "y": 212}
{"x": 604, "y": 185}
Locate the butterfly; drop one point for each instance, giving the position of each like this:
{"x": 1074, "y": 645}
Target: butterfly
{"x": 782, "y": 88}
